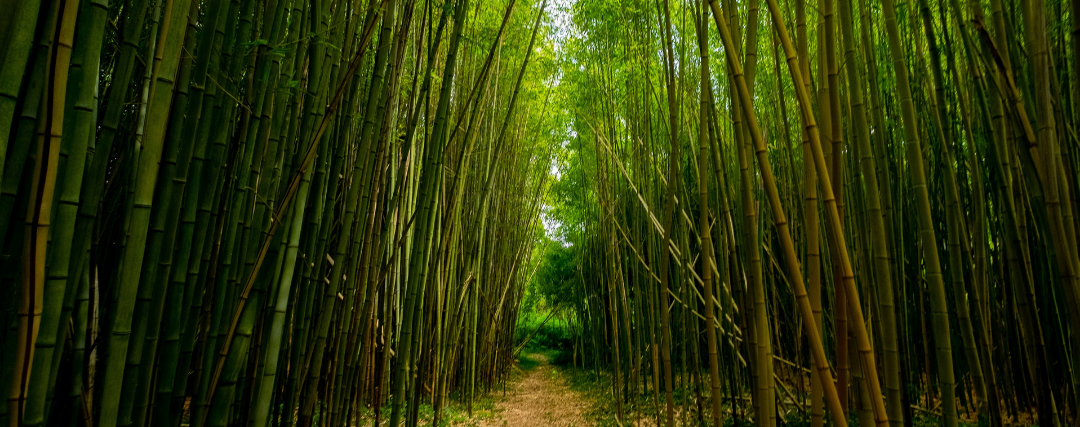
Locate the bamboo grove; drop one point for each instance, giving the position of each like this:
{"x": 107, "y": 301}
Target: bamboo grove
{"x": 824, "y": 208}
{"x": 296, "y": 212}
{"x": 273, "y": 212}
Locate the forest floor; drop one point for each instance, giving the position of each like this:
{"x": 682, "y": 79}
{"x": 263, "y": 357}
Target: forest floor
{"x": 540, "y": 393}
{"x": 538, "y": 396}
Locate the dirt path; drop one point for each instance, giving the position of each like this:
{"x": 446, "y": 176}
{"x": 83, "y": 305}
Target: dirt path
{"x": 541, "y": 399}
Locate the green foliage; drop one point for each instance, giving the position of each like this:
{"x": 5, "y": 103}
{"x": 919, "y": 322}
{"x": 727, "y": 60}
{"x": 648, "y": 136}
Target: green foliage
{"x": 557, "y": 279}
{"x": 556, "y": 285}
{"x": 553, "y": 336}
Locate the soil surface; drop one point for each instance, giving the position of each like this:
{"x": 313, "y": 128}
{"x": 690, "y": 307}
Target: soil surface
{"x": 541, "y": 398}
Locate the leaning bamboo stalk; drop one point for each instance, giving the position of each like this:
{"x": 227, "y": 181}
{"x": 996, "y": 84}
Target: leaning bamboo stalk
{"x": 818, "y": 350}
{"x": 291, "y": 189}
{"x": 863, "y": 341}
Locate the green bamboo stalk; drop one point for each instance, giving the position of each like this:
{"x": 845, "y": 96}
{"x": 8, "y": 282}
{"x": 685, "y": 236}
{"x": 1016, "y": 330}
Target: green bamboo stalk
{"x": 669, "y": 207}
{"x": 42, "y": 188}
{"x": 704, "y": 230}
{"x": 939, "y": 306}
{"x": 167, "y": 59}
{"x": 82, "y": 87}
{"x": 878, "y": 234}
{"x": 834, "y": 225}
{"x": 18, "y": 43}
{"x": 429, "y": 179}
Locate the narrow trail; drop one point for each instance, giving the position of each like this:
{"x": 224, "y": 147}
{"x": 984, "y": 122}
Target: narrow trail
{"x": 542, "y": 398}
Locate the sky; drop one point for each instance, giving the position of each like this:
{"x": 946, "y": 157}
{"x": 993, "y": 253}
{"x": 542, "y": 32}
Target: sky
{"x": 562, "y": 26}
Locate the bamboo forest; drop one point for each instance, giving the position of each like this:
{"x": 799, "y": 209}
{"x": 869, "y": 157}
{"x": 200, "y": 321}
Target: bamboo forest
{"x": 299, "y": 213}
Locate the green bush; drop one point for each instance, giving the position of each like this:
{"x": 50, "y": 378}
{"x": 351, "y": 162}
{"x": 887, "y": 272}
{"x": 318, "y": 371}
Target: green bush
{"x": 552, "y": 336}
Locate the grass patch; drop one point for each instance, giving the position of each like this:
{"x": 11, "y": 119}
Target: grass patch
{"x": 454, "y": 413}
